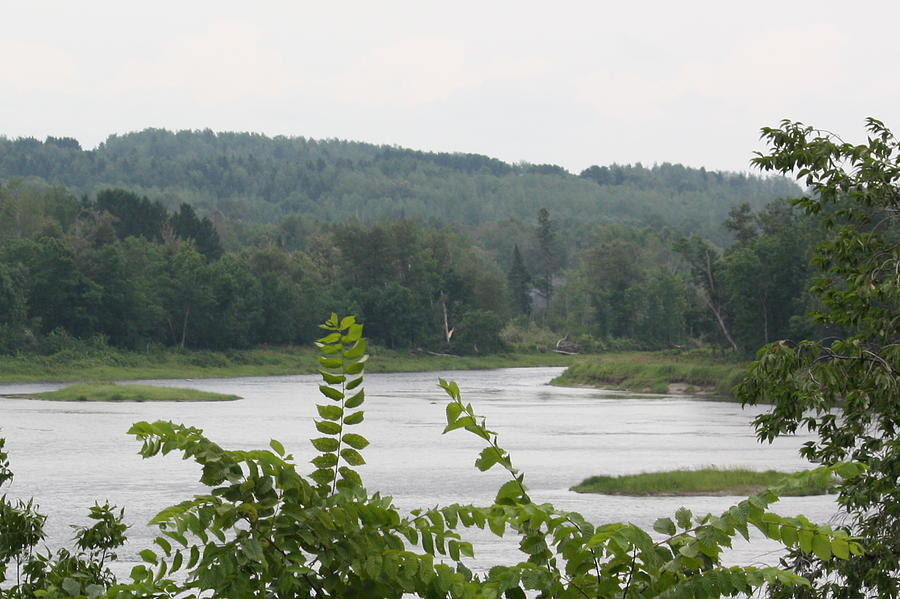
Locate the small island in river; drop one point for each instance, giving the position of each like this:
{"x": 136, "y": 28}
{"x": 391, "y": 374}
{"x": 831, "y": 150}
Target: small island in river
{"x": 104, "y": 391}
{"x": 704, "y": 481}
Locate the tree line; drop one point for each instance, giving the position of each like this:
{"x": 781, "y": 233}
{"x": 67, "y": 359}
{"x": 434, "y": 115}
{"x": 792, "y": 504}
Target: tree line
{"x": 125, "y": 269}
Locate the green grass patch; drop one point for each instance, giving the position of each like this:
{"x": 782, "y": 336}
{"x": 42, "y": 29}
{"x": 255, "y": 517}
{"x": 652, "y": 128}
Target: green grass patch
{"x": 656, "y": 372}
{"x": 109, "y": 364}
{"x": 129, "y": 392}
{"x": 704, "y": 481}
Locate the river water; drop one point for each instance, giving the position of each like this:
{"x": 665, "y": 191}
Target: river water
{"x": 69, "y": 455}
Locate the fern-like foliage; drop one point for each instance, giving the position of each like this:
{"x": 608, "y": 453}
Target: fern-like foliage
{"x": 343, "y": 362}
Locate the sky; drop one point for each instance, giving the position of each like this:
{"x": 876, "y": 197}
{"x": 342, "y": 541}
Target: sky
{"x": 567, "y": 83}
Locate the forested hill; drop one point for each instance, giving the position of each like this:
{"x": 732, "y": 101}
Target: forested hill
{"x": 256, "y": 178}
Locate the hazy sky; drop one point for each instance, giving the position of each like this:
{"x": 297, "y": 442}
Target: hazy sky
{"x": 570, "y": 83}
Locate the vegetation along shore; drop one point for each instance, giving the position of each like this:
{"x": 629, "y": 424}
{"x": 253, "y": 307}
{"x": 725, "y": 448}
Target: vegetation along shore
{"x": 114, "y": 364}
{"x": 101, "y": 391}
{"x": 657, "y": 372}
{"x": 703, "y": 481}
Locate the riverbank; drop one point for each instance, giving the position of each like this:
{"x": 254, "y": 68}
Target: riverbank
{"x": 672, "y": 372}
{"x": 704, "y": 481}
{"x": 129, "y": 392}
{"x": 105, "y": 364}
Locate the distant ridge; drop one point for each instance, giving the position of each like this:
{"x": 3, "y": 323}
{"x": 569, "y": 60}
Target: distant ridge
{"x": 255, "y": 178}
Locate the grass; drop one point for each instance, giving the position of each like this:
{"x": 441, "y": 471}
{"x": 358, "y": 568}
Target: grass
{"x": 656, "y": 372}
{"x": 108, "y": 364}
{"x": 705, "y": 481}
{"x": 113, "y": 392}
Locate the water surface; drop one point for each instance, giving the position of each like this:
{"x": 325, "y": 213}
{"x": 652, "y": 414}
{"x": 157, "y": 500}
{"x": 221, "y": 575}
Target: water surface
{"x": 69, "y": 455}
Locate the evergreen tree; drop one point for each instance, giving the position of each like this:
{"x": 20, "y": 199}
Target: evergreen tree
{"x": 546, "y": 236}
{"x": 520, "y": 284}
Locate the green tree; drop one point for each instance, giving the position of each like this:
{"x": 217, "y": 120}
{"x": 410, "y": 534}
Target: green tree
{"x": 741, "y": 222}
{"x": 845, "y": 388}
{"x": 135, "y": 216}
{"x": 764, "y": 274}
{"x": 705, "y": 264}
{"x": 549, "y": 256}
{"x": 187, "y": 295}
{"x": 235, "y": 318}
{"x": 520, "y": 284}
{"x": 188, "y": 226}
{"x": 59, "y": 295}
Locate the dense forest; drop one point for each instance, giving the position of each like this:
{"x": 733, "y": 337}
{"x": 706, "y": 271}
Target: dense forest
{"x": 253, "y": 178}
{"x": 229, "y": 240}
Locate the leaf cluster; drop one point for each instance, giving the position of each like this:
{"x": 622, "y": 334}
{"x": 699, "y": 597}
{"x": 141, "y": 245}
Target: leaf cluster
{"x": 845, "y": 388}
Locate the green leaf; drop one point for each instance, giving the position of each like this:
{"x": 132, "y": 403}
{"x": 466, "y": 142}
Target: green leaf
{"x": 684, "y": 517}
{"x": 277, "y": 447}
{"x": 323, "y": 476}
{"x": 331, "y": 393}
{"x": 357, "y": 367}
{"x": 357, "y": 350}
{"x": 497, "y": 524}
{"x": 352, "y": 457}
{"x": 354, "y": 418}
{"x": 148, "y": 556}
{"x": 460, "y": 423}
{"x": 453, "y": 549}
{"x": 356, "y": 400}
{"x": 347, "y": 322}
{"x": 350, "y": 476}
{"x": 325, "y": 444}
{"x": 665, "y": 526}
{"x": 332, "y": 379}
{"x": 453, "y": 410}
{"x": 355, "y": 441}
{"x": 162, "y": 542}
{"x": 329, "y": 412}
{"x": 329, "y": 339}
{"x": 176, "y": 561}
{"x": 451, "y": 388}
{"x": 325, "y": 460}
{"x": 509, "y": 492}
{"x": 330, "y": 362}
{"x": 840, "y": 547}
{"x": 789, "y": 535}
{"x": 327, "y": 427}
{"x": 806, "y": 540}
{"x": 71, "y": 586}
{"x": 847, "y": 470}
{"x": 487, "y": 458}
{"x": 821, "y": 546}
{"x": 253, "y": 550}
{"x": 94, "y": 590}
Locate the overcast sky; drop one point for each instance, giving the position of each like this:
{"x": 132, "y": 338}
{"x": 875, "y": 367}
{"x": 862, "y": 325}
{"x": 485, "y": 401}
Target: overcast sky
{"x": 569, "y": 83}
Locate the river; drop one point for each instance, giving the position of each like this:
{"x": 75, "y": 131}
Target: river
{"x": 69, "y": 455}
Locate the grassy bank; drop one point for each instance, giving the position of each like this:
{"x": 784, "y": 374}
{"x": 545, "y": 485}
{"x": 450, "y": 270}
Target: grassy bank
{"x": 110, "y": 364}
{"x": 130, "y": 392}
{"x": 706, "y": 481}
{"x": 656, "y": 372}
